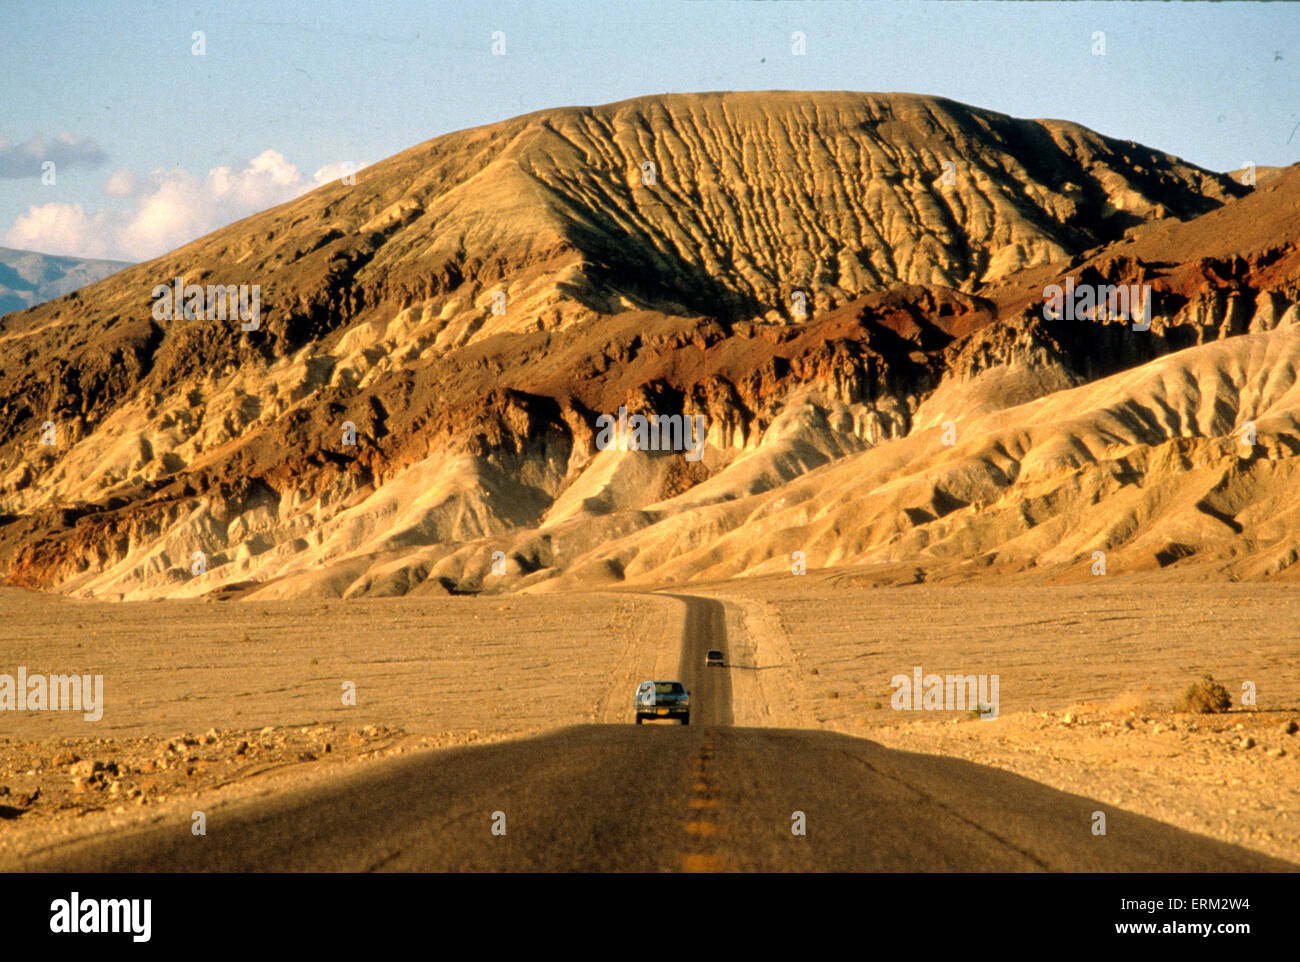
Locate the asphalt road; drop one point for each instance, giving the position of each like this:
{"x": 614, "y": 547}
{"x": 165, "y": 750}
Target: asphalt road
{"x": 710, "y": 688}
{"x": 665, "y": 797}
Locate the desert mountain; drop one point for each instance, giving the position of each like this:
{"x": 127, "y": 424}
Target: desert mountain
{"x": 472, "y": 305}
{"x": 28, "y": 278}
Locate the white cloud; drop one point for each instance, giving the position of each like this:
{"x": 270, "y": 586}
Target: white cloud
{"x": 121, "y": 183}
{"x": 167, "y": 210}
{"x": 60, "y": 228}
{"x": 336, "y": 171}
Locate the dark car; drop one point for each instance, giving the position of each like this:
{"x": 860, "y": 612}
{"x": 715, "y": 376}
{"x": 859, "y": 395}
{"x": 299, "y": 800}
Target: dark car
{"x": 713, "y": 657}
{"x": 663, "y": 699}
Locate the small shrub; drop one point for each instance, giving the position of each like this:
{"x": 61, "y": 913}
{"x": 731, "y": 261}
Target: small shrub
{"x": 1204, "y": 697}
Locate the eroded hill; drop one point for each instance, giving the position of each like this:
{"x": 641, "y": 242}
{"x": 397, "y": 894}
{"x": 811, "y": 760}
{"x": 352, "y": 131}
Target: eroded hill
{"x": 472, "y": 306}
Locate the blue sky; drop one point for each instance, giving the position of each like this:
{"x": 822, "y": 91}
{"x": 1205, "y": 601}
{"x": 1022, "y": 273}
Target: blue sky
{"x": 154, "y": 146}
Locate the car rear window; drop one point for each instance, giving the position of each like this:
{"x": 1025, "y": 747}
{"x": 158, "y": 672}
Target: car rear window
{"x": 668, "y": 688}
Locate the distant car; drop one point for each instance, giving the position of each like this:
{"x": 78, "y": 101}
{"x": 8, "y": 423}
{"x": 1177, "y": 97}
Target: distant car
{"x": 713, "y": 657}
{"x": 663, "y": 699}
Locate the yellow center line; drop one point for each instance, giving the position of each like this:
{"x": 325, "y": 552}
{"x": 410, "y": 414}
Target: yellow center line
{"x": 701, "y": 825}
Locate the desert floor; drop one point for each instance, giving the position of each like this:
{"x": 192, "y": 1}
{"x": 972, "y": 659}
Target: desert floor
{"x": 212, "y": 702}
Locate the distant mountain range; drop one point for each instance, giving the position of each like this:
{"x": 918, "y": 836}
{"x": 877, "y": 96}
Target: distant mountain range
{"x": 28, "y": 278}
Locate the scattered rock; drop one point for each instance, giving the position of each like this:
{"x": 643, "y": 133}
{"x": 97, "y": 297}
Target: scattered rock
{"x": 64, "y": 758}
{"x": 1245, "y": 741}
{"x": 1290, "y": 727}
